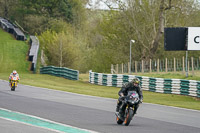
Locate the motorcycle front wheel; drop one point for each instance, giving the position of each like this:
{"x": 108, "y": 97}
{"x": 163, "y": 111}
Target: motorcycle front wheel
{"x": 119, "y": 121}
{"x": 128, "y": 117}
{"x": 13, "y": 88}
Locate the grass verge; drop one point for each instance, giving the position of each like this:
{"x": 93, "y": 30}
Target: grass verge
{"x": 173, "y": 75}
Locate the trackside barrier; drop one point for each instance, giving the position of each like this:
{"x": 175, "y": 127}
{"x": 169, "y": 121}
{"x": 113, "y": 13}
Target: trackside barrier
{"x": 60, "y": 72}
{"x": 33, "y": 53}
{"x": 170, "y": 86}
{"x": 12, "y": 29}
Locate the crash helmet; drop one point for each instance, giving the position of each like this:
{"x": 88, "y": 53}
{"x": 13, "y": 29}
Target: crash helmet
{"x": 14, "y": 72}
{"x": 136, "y": 81}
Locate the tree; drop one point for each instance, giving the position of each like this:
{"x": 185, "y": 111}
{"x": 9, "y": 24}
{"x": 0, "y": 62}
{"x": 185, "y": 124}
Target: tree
{"x": 160, "y": 30}
{"x": 143, "y": 21}
{"x": 59, "y": 48}
{"x": 7, "y": 7}
{"x": 35, "y": 15}
{"x": 65, "y": 9}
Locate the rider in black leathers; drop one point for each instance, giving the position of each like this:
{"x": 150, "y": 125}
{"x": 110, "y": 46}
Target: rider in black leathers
{"x": 130, "y": 86}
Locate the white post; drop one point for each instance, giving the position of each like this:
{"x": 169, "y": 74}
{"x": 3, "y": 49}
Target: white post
{"x": 132, "y": 41}
{"x": 186, "y": 62}
{"x": 122, "y": 68}
{"x": 112, "y": 68}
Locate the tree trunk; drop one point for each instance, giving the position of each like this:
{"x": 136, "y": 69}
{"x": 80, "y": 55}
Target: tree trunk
{"x": 160, "y": 31}
{"x": 6, "y": 9}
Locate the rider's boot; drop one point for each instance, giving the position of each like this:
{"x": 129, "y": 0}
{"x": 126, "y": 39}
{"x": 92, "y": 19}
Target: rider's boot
{"x": 122, "y": 111}
{"x": 118, "y": 106}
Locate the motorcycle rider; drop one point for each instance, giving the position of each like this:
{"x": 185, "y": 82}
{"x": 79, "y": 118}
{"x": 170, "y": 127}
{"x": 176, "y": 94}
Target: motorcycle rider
{"x": 130, "y": 86}
{"x": 13, "y": 74}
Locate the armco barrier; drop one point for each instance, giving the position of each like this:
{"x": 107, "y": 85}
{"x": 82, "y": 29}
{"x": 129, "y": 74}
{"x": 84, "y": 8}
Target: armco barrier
{"x": 33, "y": 53}
{"x": 60, "y": 72}
{"x": 11, "y": 28}
{"x": 170, "y": 86}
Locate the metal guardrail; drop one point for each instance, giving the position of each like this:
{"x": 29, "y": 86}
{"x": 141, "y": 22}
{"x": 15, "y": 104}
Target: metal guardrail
{"x": 33, "y": 53}
{"x": 170, "y": 86}
{"x": 60, "y": 72}
{"x": 13, "y": 29}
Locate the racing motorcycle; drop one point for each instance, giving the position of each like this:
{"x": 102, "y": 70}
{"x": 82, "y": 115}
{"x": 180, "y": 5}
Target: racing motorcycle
{"x": 14, "y": 82}
{"x": 128, "y": 104}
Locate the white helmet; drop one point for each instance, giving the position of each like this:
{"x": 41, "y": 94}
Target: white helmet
{"x": 14, "y": 72}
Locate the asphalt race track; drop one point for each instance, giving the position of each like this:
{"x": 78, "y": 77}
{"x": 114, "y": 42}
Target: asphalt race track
{"x": 91, "y": 113}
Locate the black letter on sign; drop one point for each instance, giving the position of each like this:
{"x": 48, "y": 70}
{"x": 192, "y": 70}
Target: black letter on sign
{"x": 195, "y": 39}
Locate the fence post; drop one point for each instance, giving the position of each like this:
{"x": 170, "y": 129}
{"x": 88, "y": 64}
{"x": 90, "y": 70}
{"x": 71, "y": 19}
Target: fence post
{"x": 174, "y": 64}
{"x": 183, "y": 65}
{"x": 192, "y": 66}
{"x": 158, "y": 65}
{"x": 129, "y": 68}
{"x": 142, "y": 66}
{"x": 117, "y": 68}
{"x": 166, "y": 65}
{"x": 135, "y": 66}
{"x": 122, "y": 68}
{"x": 150, "y": 66}
{"x": 198, "y": 63}
{"x": 188, "y": 66}
{"x": 111, "y": 69}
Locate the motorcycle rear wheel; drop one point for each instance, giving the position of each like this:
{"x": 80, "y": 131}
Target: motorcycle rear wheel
{"x": 128, "y": 117}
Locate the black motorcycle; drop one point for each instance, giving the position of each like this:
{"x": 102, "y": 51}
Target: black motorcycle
{"x": 128, "y": 104}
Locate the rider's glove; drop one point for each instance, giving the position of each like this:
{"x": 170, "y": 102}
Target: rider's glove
{"x": 121, "y": 94}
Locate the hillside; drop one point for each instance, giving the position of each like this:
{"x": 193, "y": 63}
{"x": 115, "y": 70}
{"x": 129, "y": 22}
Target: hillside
{"x": 12, "y": 54}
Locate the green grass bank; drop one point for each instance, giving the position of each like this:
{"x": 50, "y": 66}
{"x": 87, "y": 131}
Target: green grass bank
{"x": 13, "y": 54}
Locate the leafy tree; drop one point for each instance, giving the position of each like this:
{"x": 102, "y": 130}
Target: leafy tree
{"x": 65, "y": 9}
{"x": 7, "y": 8}
{"x": 60, "y": 48}
{"x": 143, "y": 21}
{"x": 35, "y": 15}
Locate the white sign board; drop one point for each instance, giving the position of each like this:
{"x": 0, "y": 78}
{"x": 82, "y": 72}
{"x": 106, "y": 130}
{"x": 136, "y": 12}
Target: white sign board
{"x": 193, "y": 38}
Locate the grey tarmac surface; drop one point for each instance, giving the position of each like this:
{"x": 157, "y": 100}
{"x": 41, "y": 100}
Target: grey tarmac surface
{"x": 7, "y": 126}
{"x": 95, "y": 113}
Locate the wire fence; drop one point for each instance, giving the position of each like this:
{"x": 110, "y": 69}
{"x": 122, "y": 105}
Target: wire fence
{"x": 158, "y": 65}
